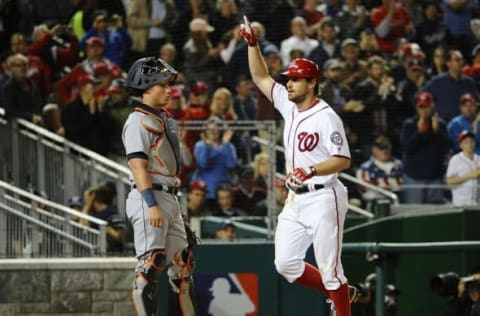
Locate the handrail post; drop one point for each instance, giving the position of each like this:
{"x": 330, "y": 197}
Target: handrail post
{"x": 380, "y": 287}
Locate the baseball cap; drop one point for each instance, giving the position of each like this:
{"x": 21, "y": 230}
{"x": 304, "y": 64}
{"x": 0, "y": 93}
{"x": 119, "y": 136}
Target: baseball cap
{"x": 117, "y": 85}
{"x": 85, "y": 79}
{"x": 382, "y": 142}
{"x": 332, "y": 64}
{"x": 413, "y": 50}
{"x": 302, "y": 68}
{"x": 95, "y": 41}
{"x": 75, "y": 201}
{"x": 391, "y": 289}
{"x": 198, "y": 185}
{"x": 464, "y": 134}
{"x": 198, "y": 87}
{"x": 225, "y": 224}
{"x": 349, "y": 41}
{"x": 467, "y": 97}
{"x": 425, "y": 98}
{"x": 199, "y": 25}
{"x": 175, "y": 92}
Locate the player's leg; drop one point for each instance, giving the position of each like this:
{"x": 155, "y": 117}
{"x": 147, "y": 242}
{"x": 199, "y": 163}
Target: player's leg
{"x": 145, "y": 285}
{"x": 149, "y": 247}
{"x": 180, "y": 271}
{"x": 292, "y": 239}
{"x": 327, "y": 245}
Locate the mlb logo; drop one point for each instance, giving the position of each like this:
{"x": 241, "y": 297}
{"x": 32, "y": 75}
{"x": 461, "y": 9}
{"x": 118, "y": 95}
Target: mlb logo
{"x": 229, "y": 294}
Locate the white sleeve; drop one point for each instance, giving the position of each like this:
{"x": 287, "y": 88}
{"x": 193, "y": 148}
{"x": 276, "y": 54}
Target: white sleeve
{"x": 452, "y": 170}
{"x": 333, "y": 135}
{"x": 281, "y": 101}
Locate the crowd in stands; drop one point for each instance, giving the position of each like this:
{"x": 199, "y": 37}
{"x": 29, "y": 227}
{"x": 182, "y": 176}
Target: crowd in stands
{"x": 402, "y": 74}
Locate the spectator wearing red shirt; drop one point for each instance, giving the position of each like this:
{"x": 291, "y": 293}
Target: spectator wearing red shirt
{"x": 95, "y": 47}
{"x": 391, "y": 22}
{"x": 197, "y": 110}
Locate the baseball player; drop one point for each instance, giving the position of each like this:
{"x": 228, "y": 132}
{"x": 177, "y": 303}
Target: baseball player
{"x": 316, "y": 150}
{"x": 162, "y": 241}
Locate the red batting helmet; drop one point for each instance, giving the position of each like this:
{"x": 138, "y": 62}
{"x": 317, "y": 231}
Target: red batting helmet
{"x": 302, "y": 68}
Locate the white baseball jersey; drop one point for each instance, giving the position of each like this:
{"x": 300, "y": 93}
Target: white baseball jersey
{"x": 311, "y": 136}
{"x": 465, "y": 193}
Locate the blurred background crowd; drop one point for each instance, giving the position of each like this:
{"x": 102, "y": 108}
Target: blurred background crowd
{"x": 402, "y": 74}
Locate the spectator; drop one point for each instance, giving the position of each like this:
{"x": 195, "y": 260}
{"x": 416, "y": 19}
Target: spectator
{"x": 197, "y": 109}
{"x": 201, "y": 58}
{"x": 244, "y": 104}
{"x": 105, "y": 78}
{"x": 457, "y": 16}
{"x": 247, "y": 195}
{"x": 333, "y": 91}
{"x": 354, "y": 70}
{"x": 448, "y": 87}
{"x": 168, "y": 52}
{"x": 463, "y": 172}
{"x": 368, "y": 45}
{"x": 468, "y": 119}
{"x": 281, "y": 194}
{"x": 309, "y": 11}
{"x": 222, "y": 105}
{"x": 75, "y": 202}
{"x": 391, "y": 22}
{"x": 261, "y": 170}
{"x": 352, "y": 19}
{"x": 56, "y": 47}
{"x": 431, "y": 32}
{"x": 95, "y": 47}
{"x": 98, "y": 202}
{"x": 196, "y": 199}
{"x": 148, "y": 23}
{"x": 374, "y": 93}
{"x": 215, "y": 157}
{"x": 425, "y": 144}
{"x": 21, "y": 96}
{"x": 37, "y": 70}
{"x": 408, "y": 53}
{"x": 327, "y": 46}
{"x": 118, "y": 106}
{"x": 83, "y": 118}
{"x": 224, "y": 19}
{"x": 225, "y": 202}
{"x": 382, "y": 170}
{"x": 438, "y": 65}
{"x": 226, "y": 231}
{"x": 114, "y": 34}
{"x": 298, "y": 40}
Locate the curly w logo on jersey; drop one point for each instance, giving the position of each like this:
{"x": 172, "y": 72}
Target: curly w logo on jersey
{"x": 307, "y": 141}
{"x": 230, "y": 294}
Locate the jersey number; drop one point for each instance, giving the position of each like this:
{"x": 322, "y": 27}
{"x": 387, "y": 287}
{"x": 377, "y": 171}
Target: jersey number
{"x": 307, "y": 142}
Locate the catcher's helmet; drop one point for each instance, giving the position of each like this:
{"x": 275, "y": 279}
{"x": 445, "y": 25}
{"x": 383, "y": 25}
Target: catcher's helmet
{"x": 146, "y": 72}
{"x": 302, "y": 68}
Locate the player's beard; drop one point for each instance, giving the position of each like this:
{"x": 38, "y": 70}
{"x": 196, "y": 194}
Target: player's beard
{"x": 297, "y": 99}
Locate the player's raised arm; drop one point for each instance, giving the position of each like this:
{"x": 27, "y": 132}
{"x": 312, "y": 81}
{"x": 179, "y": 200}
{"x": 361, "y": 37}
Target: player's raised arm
{"x": 256, "y": 63}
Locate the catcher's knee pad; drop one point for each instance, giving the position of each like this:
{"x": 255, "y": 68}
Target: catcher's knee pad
{"x": 144, "y": 290}
{"x": 183, "y": 264}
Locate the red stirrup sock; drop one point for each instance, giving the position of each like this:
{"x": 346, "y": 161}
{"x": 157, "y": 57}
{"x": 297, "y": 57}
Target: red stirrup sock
{"x": 312, "y": 278}
{"x": 341, "y": 300}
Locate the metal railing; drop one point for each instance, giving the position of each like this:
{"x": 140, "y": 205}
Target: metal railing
{"x": 31, "y": 226}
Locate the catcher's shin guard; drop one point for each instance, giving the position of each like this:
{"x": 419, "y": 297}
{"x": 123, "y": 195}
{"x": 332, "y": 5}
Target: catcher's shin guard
{"x": 182, "y": 294}
{"x": 145, "y": 285}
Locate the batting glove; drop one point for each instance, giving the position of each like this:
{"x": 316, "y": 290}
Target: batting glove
{"x": 302, "y": 174}
{"x": 248, "y": 33}
{"x": 292, "y": 182}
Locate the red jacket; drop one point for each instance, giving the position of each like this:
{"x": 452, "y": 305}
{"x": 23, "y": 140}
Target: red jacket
{"x": 400, "y": 21}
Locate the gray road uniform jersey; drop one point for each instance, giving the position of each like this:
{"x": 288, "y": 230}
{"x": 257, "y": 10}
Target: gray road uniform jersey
{"x": 152, "y": 135}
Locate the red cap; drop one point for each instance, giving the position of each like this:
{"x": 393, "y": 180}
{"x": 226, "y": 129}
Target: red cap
{"x": 101, "y": 69}
{"x": 198, "y": 87}
{"x": 198, "y": 185}
{"x": 117, "y": 86}
{"x": 464, "y": 134}
{"x": 95, "y": 40}
{"x": 467, "y": 97}
{"x": 415, "y": 65}
{"x": 175, "y": 92}
{"x": 302, "y": 68}
{"x": 413, "y": 50}
{"x": 424, "y": 99}
{"x": 84, "y": 79}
